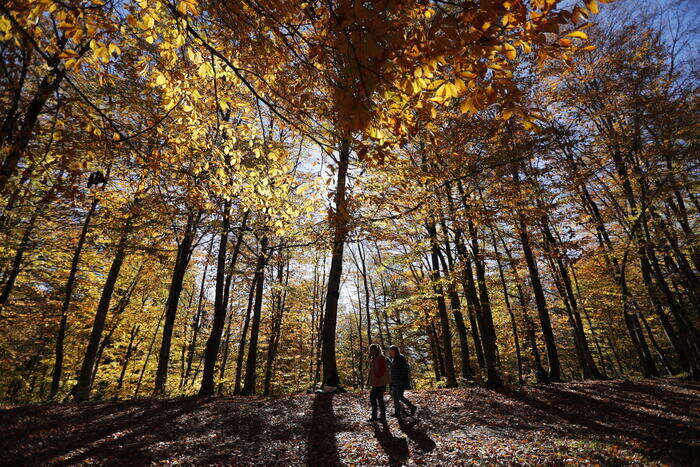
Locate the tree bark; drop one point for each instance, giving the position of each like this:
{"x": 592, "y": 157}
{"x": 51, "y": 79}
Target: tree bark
{"x": 249, "y": 380}
{"x": 48, "y": 85}
{"x": 212, "y": 349}
{"x": 81, "y": 390}
{"x": 184, "y": 253}
{"x": 244, "y": 335}
{"x": 65, "y": 307}
{"x": 451, "y": 380}
{"x": 339, "y": 226}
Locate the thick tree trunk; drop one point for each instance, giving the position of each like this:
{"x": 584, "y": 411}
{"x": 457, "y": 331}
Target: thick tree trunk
{"x": 543, "y": 313}
{"x": 486, "y": 327}
{"x": 249, "y": 380}
{"x": 81, "y": 390}
{"x": 451, "y": 380}
{"x": 212, "y": 349}
{"x": 184, "y": 253}
{"x": 339, "y": 226}
{"x": 564, "y": 286}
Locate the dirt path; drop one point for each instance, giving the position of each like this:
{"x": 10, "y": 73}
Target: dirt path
{"x": 604, "y": 422}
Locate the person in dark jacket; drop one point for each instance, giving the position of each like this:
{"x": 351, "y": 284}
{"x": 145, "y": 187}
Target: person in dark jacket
{"x": 399, "y": 380}
{"x": 377, "y": 379}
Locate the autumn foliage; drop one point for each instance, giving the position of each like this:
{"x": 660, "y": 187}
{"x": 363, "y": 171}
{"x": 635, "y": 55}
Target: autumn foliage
{"x": 238, "y": 197}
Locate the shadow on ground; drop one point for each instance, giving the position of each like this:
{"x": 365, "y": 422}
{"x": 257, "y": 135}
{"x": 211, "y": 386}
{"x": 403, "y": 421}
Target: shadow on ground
{"x": 604, "y": 422}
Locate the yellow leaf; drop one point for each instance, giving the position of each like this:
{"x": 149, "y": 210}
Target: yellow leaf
{"x": 593, "y": 6}
{"x": 578, "y": 34}
{"x": 72, "y": 64}
{"x": 467, "y": 106}
{"x": 510, "y": 52}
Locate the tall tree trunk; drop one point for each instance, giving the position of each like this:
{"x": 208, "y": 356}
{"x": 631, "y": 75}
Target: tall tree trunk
{"x": 244, "y": 334}
{"x": 646, "y": 362}
{"x": 540, "y": 374}
{"x": 541, "y": 303}
{"x": 127, "y": 357}
{"x": 366, "y": 287}
{"x": 196, "y": 322}
{"x": 486, "y": 327}
{"x": 448, "y": 266}
{"x": 506, "y": 299}
{"x": 81, "y": 390}
{"x": 564, "y": 286}
{"x": 148, "y": 354}
{"x": 451, "y": 380}
{"x": 339, "y": 226}
{"x": 65, "y": 307}
{"x": 280, "y": 304}
{"x": 224, "y": 356}
{"x": 212, "y": 349}
{"x": 184, "y": 253}
{"x": 249, "y": 380}
{"x": 118, "y": 311}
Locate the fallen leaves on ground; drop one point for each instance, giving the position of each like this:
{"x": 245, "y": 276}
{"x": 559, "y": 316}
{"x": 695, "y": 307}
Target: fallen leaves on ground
{"x": 619, "y": 422}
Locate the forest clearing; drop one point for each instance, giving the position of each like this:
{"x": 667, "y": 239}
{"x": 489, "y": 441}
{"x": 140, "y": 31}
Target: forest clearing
{"x": 285, "y": 215}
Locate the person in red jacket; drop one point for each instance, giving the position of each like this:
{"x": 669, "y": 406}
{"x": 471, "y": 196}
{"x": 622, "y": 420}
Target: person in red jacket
{"x": 377, "y": 379}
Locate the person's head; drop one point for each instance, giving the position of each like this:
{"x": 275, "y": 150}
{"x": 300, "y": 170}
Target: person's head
{"x": 394, "y": 351}
{"x": 374, "y": 350}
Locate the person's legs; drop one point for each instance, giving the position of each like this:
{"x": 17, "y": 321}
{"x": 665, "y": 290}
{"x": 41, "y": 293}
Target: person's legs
{"x": 373, "y": 401}
{"x": 397, "y": 394}
{"x": 380, "y": 399}
{"x": 403, "y": 399}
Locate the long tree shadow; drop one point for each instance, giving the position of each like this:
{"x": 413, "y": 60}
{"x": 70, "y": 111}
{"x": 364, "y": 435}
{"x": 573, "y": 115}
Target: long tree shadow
{"x": 321, "y": 445}
{"x": 415, "y": 434}
{"x": 42, "y": 417}
{"x": 582, "y": 414}
{"x": 394, "y": 447}
{"x": 75, "y": 437}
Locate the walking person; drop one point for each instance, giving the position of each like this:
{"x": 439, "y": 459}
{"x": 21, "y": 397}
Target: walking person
{"x": 377, "y": 380}
{"x": 400, "y": 380}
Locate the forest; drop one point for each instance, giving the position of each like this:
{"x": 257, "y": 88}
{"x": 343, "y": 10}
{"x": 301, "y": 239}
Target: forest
{"x": 237, "y": 198}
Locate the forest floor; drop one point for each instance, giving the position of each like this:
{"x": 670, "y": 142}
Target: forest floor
{"x": 608, "y": 422}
